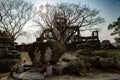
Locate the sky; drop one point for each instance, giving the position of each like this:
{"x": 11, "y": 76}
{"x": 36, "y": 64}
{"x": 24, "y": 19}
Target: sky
{"x": 109, "y": 9}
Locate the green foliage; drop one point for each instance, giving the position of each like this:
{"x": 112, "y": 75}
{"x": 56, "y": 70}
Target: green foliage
{"x": 101, "y": 53}
{"x": 88, "y": 45}
{"x": 117, "y": 39}
{"x": 95, "y": 61}
{"x": 74, "y": 67}
{"x": 101, "y": 59}
{"x": 115, "y": 26}
{"x": 79, "y": 52}
{"x": 8, "y": 54}
{"x": 106, "y": 44}
{"x": 115, "y": 54}
{"x": 84, "y": 52}
{"x": 107, "y": 63}
{"x": 4, "y": 39}
{"x": 5, "y": 64}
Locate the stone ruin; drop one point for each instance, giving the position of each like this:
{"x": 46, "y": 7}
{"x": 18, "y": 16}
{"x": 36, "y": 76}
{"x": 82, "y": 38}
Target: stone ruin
{"x": 38, "y": 53}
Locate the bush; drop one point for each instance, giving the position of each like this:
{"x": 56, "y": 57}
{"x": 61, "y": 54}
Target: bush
{"x": 101, "y": 59}
{"x": 101, "y": 53}
{"x": 77, "y": 66}
{"x": 74, "y": 67}
{"x": 95, "y": 61}
{"x": 89, "y": 45}
{"x": 2, "y": 55}
{"x": 107, "y": 63}
{"x": 84, "y": 52}
{"x": 5, "y": 64}
{"x": 79, "y": 52}
{"x": 108, "y": 58}
{"x": 115, "y": 54}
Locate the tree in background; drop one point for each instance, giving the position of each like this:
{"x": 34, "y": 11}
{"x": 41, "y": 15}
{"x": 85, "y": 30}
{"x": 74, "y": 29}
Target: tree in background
{"x": 73, "y": 17}
{"x": 14, "y": 14}
{"x": 115, "y": 26}
{"x": 106, "y": 44}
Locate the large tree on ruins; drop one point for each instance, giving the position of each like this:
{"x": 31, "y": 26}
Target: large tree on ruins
{"x": 75, "y": 16}
{"x": 14, "y": 14}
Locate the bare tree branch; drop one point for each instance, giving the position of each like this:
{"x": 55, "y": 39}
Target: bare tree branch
{"x": 76, "y": 16}
{"x": 14, "y": 15}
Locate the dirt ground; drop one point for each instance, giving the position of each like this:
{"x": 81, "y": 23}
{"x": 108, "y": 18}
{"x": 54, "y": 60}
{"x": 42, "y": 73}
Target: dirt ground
{"x": 88, "y": 76}
{"x": 99, "y": 77}
{"x": 3, "y": 76}
{"x": 91, "y": 75}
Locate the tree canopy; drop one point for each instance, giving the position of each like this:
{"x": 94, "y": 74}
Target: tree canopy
{"x": 14, "y": 14}
{"x": 75, "y": 17}
{"x": 115, "y": 26}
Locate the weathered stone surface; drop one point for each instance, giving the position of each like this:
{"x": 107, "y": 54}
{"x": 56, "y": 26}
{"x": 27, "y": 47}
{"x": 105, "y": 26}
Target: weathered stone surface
{"x": 57, "y": 51}
{"x": 29, "y": 76}
{"x": 37, "y": 52}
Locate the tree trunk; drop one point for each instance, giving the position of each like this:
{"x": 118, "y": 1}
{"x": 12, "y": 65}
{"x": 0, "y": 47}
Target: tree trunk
{"x": 57, "y": 51}
{"x": 56, "y": 56}
{"x": 37, "y": 52}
